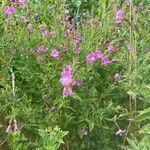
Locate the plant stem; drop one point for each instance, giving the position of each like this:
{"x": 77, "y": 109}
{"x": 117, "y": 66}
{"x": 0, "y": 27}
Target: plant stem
{"x": 13, "y": 81}
{"x": 130, "y": 81}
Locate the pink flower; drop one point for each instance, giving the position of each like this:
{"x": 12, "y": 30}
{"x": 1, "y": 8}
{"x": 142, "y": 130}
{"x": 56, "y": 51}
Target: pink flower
{"x": 66, "y": 76}
{"x": 98, "y": 54}
{"x": 21, "y": 2}
{"x": 67, "y": 91}
{"x": 110, "y": 48}
{"x": 66, "y": 80}
{"x": 75, "y": 41}
{"x": 44, "y": 31}
{"x": 119, "y": 15}
{"x": 55, "y": 53}
{"x": 69, "y": 29}
{"x": 42, "y": 48}
{"x": 105, "y": 61}
{"x": 90, "y": 58}
{"x": 10, "y": 10}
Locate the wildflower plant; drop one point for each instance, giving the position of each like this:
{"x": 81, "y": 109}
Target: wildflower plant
{"x": 74, "y": 84}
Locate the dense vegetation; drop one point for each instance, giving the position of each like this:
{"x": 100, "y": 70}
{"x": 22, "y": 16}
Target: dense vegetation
{"x": 74, "y": 75}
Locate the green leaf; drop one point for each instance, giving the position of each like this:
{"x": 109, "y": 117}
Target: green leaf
{"x": 91, "y": 125}
{"x": 132, "y": 144}
{"x": 145, "y": 129}
{"x": 144, "y": 115}
{"x": 77, "y": 97}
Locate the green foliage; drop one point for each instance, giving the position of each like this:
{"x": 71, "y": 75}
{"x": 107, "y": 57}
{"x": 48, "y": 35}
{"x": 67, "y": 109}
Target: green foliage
{"x": 51, "y": 139}
{"x": 78, "y": 7}
{"x": 17, "y": 141}
{"x": 143, "y": 115}
{"x": 145, "y": 129}
{"x": 138, "y": 145}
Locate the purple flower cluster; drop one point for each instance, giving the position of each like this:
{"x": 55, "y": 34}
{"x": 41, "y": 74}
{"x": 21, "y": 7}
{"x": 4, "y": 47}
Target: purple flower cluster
{"x": 20, "y": 2}
{"x": 9, "y": 10}
{"x": 55, "y": 53}
{"x": 90, "y": 58}
{"x": 67, "y": 91}
{"x": 66, "y": 80}
{"x": 105, "y": 61}
{"x": 42, "y": 48}
{"x": 72, "y": 36}
{"x": 69, "y": 28}
{"x": 119, "y": 16}
{"x": 110, "y": 48}
{"x": 44, "y": 31}
{"x": 66, "y": 76}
